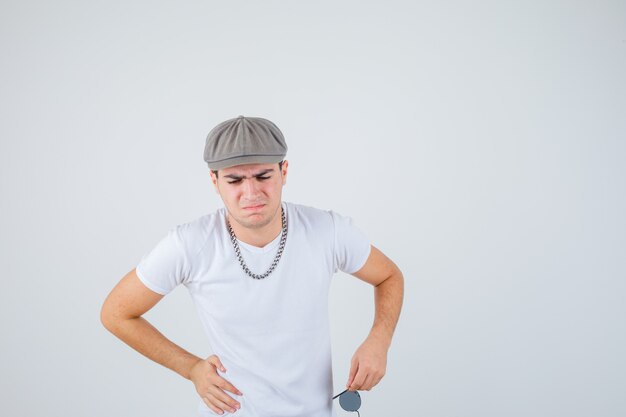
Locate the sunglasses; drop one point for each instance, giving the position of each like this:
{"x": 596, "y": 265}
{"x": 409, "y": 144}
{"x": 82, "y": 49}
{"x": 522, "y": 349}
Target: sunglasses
{"x": 349, "y": 401}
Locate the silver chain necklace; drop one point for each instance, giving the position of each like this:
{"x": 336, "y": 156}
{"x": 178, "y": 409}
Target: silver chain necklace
{"x": 281, "y": 247}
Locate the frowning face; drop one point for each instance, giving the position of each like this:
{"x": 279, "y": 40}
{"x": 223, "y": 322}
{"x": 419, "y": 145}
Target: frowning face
{"x": 252, "y": 192}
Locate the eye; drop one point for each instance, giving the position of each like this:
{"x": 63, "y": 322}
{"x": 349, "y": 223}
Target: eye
{"x": 234, "y": 182}
{"x": 263, "y": 178}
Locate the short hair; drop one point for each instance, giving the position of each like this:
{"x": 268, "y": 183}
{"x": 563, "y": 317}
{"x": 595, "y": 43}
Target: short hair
{"x": 280, "y": 167}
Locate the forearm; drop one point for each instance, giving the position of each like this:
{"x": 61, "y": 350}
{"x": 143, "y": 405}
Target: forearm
{"x": 139, "y": 334}
{"x": 388, "y": 297}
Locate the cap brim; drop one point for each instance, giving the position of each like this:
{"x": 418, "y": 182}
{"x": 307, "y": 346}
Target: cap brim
{"x": 242, "y": 160}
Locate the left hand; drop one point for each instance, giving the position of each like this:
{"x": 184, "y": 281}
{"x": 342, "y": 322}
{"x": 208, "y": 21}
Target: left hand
{"x": 368, "y": 366}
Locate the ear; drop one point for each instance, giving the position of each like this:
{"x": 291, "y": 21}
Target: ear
{"x": 214, "y": 181}
{"x": 284, "y": 171}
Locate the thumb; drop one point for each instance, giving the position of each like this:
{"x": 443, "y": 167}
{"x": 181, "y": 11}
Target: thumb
{"x": 354, "y": 367}
{"x": 215, "y": 361}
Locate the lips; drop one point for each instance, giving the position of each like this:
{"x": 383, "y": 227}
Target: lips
{"x": 260, "y": 206}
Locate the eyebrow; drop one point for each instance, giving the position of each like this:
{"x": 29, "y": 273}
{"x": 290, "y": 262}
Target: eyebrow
{"x": 238, "y": 177}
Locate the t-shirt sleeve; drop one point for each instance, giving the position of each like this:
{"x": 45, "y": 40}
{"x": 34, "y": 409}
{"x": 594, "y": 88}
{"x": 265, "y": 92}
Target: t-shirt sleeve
{"x": 351, "y": 246}
{"x": 166, "y": 265}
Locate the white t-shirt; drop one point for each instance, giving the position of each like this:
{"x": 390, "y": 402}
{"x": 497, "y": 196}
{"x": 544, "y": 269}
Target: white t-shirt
{"x": 271, "y": 334}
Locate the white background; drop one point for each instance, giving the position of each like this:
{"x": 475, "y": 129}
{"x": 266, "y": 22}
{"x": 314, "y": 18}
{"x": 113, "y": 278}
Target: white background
{"x": 480, "y": 145}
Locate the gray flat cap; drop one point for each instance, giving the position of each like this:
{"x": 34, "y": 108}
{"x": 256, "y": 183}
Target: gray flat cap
{"x": 244, "y": 140}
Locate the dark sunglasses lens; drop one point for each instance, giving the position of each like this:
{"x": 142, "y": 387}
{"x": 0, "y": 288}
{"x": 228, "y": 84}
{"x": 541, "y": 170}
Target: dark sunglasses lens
{"x": 350, "y": 400}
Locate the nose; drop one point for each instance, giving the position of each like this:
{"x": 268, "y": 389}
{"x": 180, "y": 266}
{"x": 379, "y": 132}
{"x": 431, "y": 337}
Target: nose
{"x": 250, "y": 189}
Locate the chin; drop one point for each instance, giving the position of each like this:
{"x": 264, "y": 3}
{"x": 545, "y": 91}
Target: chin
{"x": 259, "y": 223}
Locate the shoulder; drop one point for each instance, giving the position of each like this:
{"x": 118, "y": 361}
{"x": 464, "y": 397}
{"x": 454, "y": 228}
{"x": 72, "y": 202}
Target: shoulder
{"x": 304, "y": 210}
{"x": 194, "y": 234}
{"x": 318, "y": 218}
{"x": 314, "y": 212}
{"x": 308, "y": 214}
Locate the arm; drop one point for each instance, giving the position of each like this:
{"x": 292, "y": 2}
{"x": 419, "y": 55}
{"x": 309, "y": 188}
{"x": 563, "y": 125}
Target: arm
{"x": 369, "y": 362}
{"x": 121, "y": 315}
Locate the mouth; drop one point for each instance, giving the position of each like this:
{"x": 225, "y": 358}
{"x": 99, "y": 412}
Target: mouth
{"x": 254, "y": 208}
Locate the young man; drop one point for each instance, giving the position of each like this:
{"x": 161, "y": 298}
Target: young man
{"x": 258, "y": 271}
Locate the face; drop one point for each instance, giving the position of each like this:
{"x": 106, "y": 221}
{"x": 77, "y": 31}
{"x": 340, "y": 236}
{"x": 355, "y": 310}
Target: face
{"x": 251, "y": 192}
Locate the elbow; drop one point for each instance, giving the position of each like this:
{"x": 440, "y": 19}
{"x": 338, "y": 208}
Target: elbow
{"x": 394, "y": 276}
{"x": 108, "y": 317}
{"x": 105, "y": 318}
{"x": 112, "y": 318}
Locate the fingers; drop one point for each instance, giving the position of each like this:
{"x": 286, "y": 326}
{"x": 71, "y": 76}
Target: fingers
{"x": 211, "y": 406}
{"x": 359, "y": 379}
{"x": 365, "y": 379}
{"x": 218, "y": 406}
{"x": 215, "y": 361}
{"x": 368, "y": 383}
{"x": 226, "y": 385}
{"x": 220, "y": 381}
{"x": 376, "y": 381}
{"x": 218, "y": 400}
{"x": 354, "y": 367}
{"x": 222, "y": 401}
{"x": 211, "y": 387}
{"x": 217, "y": 388}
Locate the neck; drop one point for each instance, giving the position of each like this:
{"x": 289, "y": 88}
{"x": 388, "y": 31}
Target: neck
{"x": 261, "y": 236}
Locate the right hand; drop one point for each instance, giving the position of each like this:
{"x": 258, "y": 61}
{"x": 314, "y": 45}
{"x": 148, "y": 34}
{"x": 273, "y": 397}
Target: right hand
{"x": 210, "y": 386}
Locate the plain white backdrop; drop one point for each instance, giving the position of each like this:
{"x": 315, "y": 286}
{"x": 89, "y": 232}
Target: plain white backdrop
{"x": 480, "y": 145}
